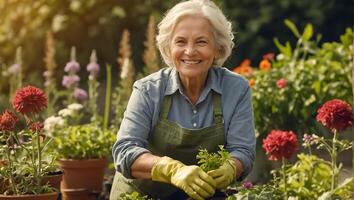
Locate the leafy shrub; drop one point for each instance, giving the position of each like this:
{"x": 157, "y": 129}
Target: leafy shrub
{"x": 313, "y": 75}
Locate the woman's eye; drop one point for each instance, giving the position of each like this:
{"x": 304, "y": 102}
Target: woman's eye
{"x": 202, "y": 42}
{"x": 180, "y": 42}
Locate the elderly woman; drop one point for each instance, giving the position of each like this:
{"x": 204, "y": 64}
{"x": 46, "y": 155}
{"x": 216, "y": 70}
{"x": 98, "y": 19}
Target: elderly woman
{"x": 193, "y": 104}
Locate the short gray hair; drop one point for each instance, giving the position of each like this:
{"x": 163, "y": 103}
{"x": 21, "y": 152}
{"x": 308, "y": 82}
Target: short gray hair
{"x": 222, "y": 28}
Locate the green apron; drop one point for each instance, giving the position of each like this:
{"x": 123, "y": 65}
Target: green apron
{"x": 170, "y": 139}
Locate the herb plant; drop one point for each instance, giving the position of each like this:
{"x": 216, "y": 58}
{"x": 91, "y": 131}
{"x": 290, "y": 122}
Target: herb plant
{"x": 133, "y": 196}
{"x": 210, "y": 161}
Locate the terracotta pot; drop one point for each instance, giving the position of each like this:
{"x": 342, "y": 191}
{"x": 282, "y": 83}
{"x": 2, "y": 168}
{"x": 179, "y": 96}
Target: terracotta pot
{"x": 53, "y": 179}
{"x": 82, "y": 179}
{"x": 48, "y": 196}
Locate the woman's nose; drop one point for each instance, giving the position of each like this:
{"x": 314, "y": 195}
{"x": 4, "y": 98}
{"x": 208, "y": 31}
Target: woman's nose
{"x": 190, "y": 50}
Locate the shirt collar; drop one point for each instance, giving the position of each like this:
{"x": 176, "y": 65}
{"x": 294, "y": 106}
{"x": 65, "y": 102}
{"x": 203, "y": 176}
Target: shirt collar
{"x": 212, "y": 82}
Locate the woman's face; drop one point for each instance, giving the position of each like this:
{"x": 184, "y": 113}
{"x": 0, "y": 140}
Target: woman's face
{"x": 193, "y": 46}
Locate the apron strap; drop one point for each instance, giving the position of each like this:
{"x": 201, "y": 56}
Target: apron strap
{"x": 166, "y": 104}
{"x": 217, "y": 108}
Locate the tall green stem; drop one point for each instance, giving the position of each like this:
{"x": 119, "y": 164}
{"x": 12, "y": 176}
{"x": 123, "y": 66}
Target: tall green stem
{"x": 107, "y": 98}
{"x": 39, "y": 155}
{"x": 284, "y": 179}
{"x": 334, "y": 161}
{"x": 13, "y": 184}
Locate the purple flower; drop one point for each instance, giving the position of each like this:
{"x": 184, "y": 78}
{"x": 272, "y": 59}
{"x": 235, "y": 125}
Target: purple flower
{"x": 247, "y": 185}
{"x": 93, "y": 68}
{"x": 70, "y": 81}
{"x": 14, "y": 69}
{"x": 72, "y": 67}
{"x": 80, "y": 94}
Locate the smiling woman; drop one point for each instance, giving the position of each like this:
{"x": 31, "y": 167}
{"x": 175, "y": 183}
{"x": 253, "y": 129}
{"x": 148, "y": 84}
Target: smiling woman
{"x": 193, "y": 51}
{"x": 195, "y": 103}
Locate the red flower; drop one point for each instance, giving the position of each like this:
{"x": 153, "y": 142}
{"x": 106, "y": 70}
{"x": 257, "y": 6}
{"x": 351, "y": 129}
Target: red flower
{"x": 36, "y": 126}
{"x": 8, "y": 121}
{"x": 335, "y": 114}
{"x": 282, "y": 83}
{"x": 29, "y": 100}
{"x": 280, "y": 144}
{"x": 268, "y": 56}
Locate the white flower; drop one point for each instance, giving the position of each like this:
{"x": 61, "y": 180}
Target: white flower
{"x": 75, "y": 107}
{"x": 280, "y": 56}
{"x": 125, "y": 69}
{"x": 51, "y": 123}
{"x": 66, "y": 112}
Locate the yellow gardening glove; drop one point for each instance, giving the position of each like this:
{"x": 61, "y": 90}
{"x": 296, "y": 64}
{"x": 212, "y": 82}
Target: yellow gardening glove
{"x": 191, "y": 179}
{"x": 224, "y": 175}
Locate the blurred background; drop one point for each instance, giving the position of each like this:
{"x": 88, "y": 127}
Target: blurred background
{"x": 98, "y": 24}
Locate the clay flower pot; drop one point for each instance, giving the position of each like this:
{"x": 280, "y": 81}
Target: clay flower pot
{"x": 53, "y": 179}
{"x": 82, "y": 179}
{"x": 48, "y": 196}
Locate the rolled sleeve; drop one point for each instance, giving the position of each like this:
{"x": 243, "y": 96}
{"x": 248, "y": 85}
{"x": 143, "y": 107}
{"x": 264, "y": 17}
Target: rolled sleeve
{"x": 241, "y": 140}
{"x": 132, "y": 138}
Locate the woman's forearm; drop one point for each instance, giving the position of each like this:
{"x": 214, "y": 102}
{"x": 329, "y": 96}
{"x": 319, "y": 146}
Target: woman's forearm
{"x": 141, "y": 167}
{"x": 239, "y": 167}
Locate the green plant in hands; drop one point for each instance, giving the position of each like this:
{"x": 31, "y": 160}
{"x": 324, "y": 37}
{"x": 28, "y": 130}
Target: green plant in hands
{"x": 133, "y": 196}
{"x": 210, "y": 161}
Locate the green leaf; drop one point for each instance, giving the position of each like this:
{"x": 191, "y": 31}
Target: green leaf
{"x": 284, "y": 49}
{"x": 317, "y": 86}
{"x": 292, "y": 27}
{"x": 310, "y": 100}
{"x": 308, "y": 32}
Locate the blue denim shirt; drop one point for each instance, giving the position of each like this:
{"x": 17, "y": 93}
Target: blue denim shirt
{"x": 145, "y": 103}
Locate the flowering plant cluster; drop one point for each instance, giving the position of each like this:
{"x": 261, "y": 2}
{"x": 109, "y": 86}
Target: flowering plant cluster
{"x": 73, "y": 140}
{"x": 310, "y": 177}
{"x": 25, "y": 157}
{"x": 288, "y": 88}
{"x": 71, "y": 81}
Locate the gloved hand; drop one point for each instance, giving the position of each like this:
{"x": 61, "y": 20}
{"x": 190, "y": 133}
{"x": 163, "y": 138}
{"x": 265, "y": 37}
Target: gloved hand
{"x": 224, "y": 175}
{"x": 191, "y": 179}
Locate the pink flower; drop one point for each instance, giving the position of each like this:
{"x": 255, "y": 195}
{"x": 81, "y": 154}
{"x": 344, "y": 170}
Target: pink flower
{"x": 268, "y": 56}
{"x": 80, "y": 94}
{"x": 93, "y": 68}
{"x": 247, "y": 185}
{"x": 280, "y": 144}
{"x": 335, "y": 114}
{"x": 29, "y": 100}
{"x": 282, "y": 83}
{"x": 72, "y": 67}
{"x": 70, "y": 81}
{"x": 14, "y": 69}
{"x": 8, "y": 121}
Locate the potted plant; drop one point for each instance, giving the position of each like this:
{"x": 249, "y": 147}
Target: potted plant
{"x": 23, "y": 168}
{"x": 82, "y": 151}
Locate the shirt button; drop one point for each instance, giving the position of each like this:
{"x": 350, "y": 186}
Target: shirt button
{"x": 195, "y": 124}
{"x": 195, "y": 111}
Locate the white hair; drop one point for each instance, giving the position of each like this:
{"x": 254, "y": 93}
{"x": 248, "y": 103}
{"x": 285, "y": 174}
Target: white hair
{"x": 222, "y": 28}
